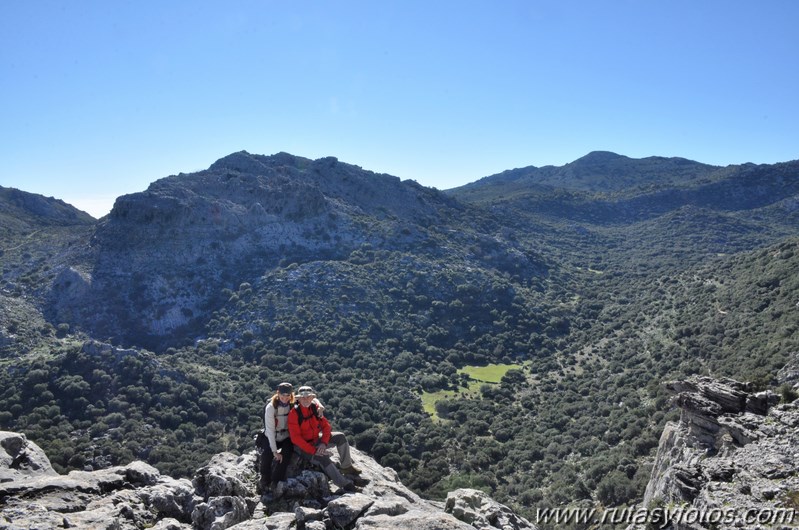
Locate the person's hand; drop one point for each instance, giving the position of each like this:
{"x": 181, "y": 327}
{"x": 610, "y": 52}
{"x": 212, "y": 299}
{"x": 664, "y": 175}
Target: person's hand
{"x": 278, "y": 457}
{"x": 320, "y": 449}
{"x": 320, "y": 410}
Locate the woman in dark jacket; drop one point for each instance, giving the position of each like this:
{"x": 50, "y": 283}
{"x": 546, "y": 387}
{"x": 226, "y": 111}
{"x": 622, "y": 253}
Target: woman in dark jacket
{"x": 276, "y": 428}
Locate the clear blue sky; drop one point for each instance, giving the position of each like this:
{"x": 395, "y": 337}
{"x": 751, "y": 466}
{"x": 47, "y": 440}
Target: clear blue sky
{"x": 101, "y": 98}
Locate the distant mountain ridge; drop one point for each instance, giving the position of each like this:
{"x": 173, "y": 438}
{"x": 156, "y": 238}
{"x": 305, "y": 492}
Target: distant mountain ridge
{"x": 21, "y": 210}
{"x": 602, "y": 171}
{"x": 734, "y": 188}
{"x": 164, "y": 255}
{"x": 655, "y": 203}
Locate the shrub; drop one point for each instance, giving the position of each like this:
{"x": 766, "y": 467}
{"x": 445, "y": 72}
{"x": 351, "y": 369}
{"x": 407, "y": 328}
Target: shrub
{"x": 788, "y": 394}
{"x": 615, "y": 489}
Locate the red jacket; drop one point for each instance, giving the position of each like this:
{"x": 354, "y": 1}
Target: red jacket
{"x": 305, "y": 435}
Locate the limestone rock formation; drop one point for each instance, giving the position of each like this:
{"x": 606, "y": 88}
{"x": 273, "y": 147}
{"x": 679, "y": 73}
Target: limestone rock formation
{"x": 164, "y": 255}
{"x": 220, "y": 496}
{"x": 733, "y": 456}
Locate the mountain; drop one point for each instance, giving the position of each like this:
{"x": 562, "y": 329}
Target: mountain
{"x": 165, "y": 255}
{"x": 38, "y": 235}
{"x": 157, "y": 332}
{"x": 604, "y": 188}
{"x": 20, "y": 210}
{"x": 600, "y": 172}
{"x": 654, "y": 206}
{"x": 249, "y": 214}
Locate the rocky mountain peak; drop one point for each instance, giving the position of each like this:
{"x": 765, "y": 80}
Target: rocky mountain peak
{"x": 240, "y": 218}
{"x": 222, "y": 495}
{"x": 257, "y": 164}
{"x": 598, "y": 157}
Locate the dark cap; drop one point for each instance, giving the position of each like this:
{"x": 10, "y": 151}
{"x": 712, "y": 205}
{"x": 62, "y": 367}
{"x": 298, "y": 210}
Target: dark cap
{"x": 284, "y": 388}
{"x": 306, "y": 391}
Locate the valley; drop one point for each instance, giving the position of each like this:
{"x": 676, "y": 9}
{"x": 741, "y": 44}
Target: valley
{"x": 157, "y": 332}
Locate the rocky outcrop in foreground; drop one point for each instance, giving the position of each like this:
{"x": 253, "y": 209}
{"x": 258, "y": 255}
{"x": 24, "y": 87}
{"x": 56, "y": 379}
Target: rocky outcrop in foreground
{"x": 733, "y": 457}
{"x": 221, "y": 495}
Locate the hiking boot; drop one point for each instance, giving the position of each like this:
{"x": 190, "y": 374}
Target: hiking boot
{"x": 352, "y": 470}
{"x": 261, "y": 488}
{"x": 360, "y": 482}
{"x": 349, "y": 487}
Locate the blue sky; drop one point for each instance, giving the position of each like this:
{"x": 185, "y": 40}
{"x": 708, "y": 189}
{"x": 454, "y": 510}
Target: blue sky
{"x": 100, "y": 98}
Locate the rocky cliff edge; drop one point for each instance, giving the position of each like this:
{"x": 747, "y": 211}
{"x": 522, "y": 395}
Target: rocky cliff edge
{"x": 733, "y": 457}
{"x": 222, "y": 495}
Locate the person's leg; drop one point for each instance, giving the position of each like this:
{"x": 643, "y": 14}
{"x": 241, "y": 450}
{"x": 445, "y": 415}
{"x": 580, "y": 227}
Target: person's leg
{"x": 339, "y": 439}
{"x": 331, "y": 471}
{"x": 266, "y": 469}
{"x": 286, "y": 448}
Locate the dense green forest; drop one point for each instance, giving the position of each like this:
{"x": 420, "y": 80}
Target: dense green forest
{"x": 578, "y": 423}
{"x": 599, "y": 310}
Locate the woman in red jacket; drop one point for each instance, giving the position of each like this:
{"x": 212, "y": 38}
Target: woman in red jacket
{"x": 312, "y": 434}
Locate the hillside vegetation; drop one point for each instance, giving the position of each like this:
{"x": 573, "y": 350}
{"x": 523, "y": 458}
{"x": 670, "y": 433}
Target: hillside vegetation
{"x": 159, "y": 332}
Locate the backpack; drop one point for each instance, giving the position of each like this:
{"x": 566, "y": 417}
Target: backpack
{"x": 300, "y": 418}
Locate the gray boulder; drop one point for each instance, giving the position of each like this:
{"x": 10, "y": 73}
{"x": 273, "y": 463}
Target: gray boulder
{"x": 171, "y": 498}
{"x": 344, "y": 511}
{"x": 20, "y": 458}
{"x": 225, "y": 475}
{"x": 413, "y": 519}
{"x": 219, "y": 513}
{"x": 481, "y": 511}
